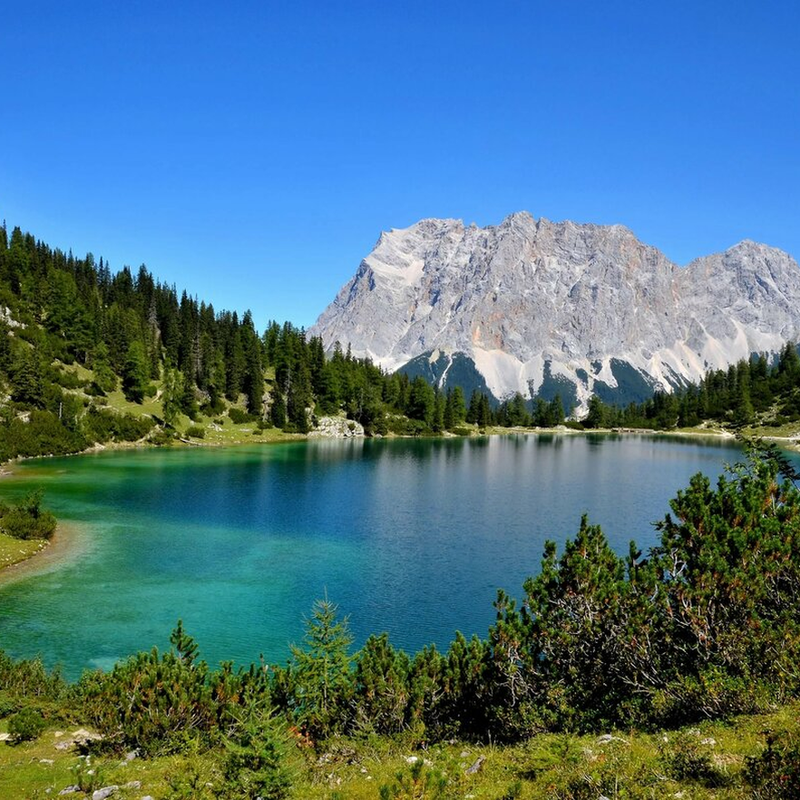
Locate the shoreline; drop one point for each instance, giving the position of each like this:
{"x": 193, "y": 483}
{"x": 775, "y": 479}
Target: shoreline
{"x": 67, "y": 543}
{"x": 70, "y": 540}
{"x": 791, "y": 442}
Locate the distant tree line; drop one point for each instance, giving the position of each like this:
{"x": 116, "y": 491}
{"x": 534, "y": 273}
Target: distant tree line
{"x": 752, "y": 392}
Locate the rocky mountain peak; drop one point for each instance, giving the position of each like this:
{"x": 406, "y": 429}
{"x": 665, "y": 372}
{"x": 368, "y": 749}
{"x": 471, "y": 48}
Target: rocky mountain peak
{"x": 538, "y": 306}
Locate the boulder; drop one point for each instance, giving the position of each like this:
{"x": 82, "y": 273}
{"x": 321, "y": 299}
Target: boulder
{"x": 337, "y": 428}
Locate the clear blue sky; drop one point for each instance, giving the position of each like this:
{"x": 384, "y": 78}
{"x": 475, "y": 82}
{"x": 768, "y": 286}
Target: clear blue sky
{"x": 252, "y": 152}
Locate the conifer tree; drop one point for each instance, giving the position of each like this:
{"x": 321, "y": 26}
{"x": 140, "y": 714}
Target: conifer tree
{"x": 28, "y": 385}
{"x": 321, "y": 671}
{"x": 104, "y": 376}
{"x": 135, "y": 374}
{"x": 171, "y": 395}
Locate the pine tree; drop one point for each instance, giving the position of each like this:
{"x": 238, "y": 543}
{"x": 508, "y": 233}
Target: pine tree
{"x": 135, "y": 374}
{"x": 277, "y": 411}
{"x": 171, "y": 395}
{"x": 28, "y": 386}
{"x": 322, "y": 671}
{"x": 104, "y": 376}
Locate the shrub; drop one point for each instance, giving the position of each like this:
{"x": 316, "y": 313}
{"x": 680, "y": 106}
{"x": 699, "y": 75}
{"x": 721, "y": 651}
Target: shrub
{"x": 88, "y": 776}
{"x": 102, "y": 425}
{"x": 7, "y": 707}
{"x": 69, "y": 380}
{"x": 688, "y": 758}
{"x": 27, "y": 520}
{"x": 160, "y": 438}
{"x": 416, "y": 781}
{"x": 239, "y": 417}
{"x": 161, "y": 703}
{"x": 212, "y": 407}
{"x": 196, "y": 432}
{"x": 256, "y": 761}
{"x": 29, "y": 678}
{"x": 26, "y": 725}
{"x": 775, "y": 774}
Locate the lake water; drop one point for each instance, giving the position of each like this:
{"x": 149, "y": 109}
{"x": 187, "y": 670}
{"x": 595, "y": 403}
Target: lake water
{"x": 409, "y": 537}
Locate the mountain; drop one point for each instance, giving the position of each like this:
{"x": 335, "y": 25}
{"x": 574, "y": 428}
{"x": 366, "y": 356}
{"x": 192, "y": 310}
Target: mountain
{"x": 545, "y": 307}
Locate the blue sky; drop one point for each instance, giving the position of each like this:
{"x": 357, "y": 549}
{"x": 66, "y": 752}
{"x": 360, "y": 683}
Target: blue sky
{"x": 253, "y": 152}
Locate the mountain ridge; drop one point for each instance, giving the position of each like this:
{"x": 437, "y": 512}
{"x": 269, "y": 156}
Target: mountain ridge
{"x": 530, "y": 298}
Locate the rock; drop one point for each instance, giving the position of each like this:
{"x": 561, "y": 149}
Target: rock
{"x": 133, "y": 785}
{"x": 515, "y": 306}
{"x": 70, "y": 789}
{"x": 5, "y": 737}
{"x": 80, "y": 739}
{"x": 337, "y": 428}
{"x": 476, "y": 767}
{"x": 46, "y": 761}
{"x": 106, "y": 791}
{"x": 607, "y": 738}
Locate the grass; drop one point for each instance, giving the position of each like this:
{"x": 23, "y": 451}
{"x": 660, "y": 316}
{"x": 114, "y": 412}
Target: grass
{"x": 625, "y": 764}
{"x": 14, "y": 550}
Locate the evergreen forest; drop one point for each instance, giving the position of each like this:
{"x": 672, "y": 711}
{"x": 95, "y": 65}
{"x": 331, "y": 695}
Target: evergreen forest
{"x": 73, "y": 335}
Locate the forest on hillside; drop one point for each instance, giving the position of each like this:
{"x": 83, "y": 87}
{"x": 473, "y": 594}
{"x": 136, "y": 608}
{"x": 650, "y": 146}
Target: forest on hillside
{"x": 72, "y": 332}
{"x": 758, "y": 392}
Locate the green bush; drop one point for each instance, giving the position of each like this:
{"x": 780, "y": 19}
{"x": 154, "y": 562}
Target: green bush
{"x": 416, "y": 781}
{"x": 69, "y": 380}
{"x": 160, "y": 703}
{"x": 27, "y": 520}
{"x": 29, "y": 678}
{"x": 160, "y": 438}
{"x": 775, "y": 774}
{"x": 44, "y": 434}
{"x": 26, "y": 725}
{"x": 256, "y": 762}
{"x": 239, "y": 417}
{"x": 7, "y": 707}
{"x": 102, "y": 425}
{"x": 88, "y": 776}
{"x": 212, "y": 408}
{"x": 688, "y": 758}
{"x": 461, "y": 431}
{"x": 196, "y": 432}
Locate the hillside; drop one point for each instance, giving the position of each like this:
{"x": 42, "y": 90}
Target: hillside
{"x": 89, "y": 356}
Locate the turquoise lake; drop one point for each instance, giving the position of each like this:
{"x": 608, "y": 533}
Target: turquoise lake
{"x": 412, "y": 537}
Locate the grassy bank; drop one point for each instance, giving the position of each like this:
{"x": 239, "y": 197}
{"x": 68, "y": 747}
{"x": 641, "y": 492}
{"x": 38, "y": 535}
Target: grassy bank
{"x": 12, "y": 550}
{"x": 708, "y": 761}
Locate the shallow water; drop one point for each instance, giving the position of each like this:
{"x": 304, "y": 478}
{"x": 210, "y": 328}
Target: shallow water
{"x": 411, "y": 537}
